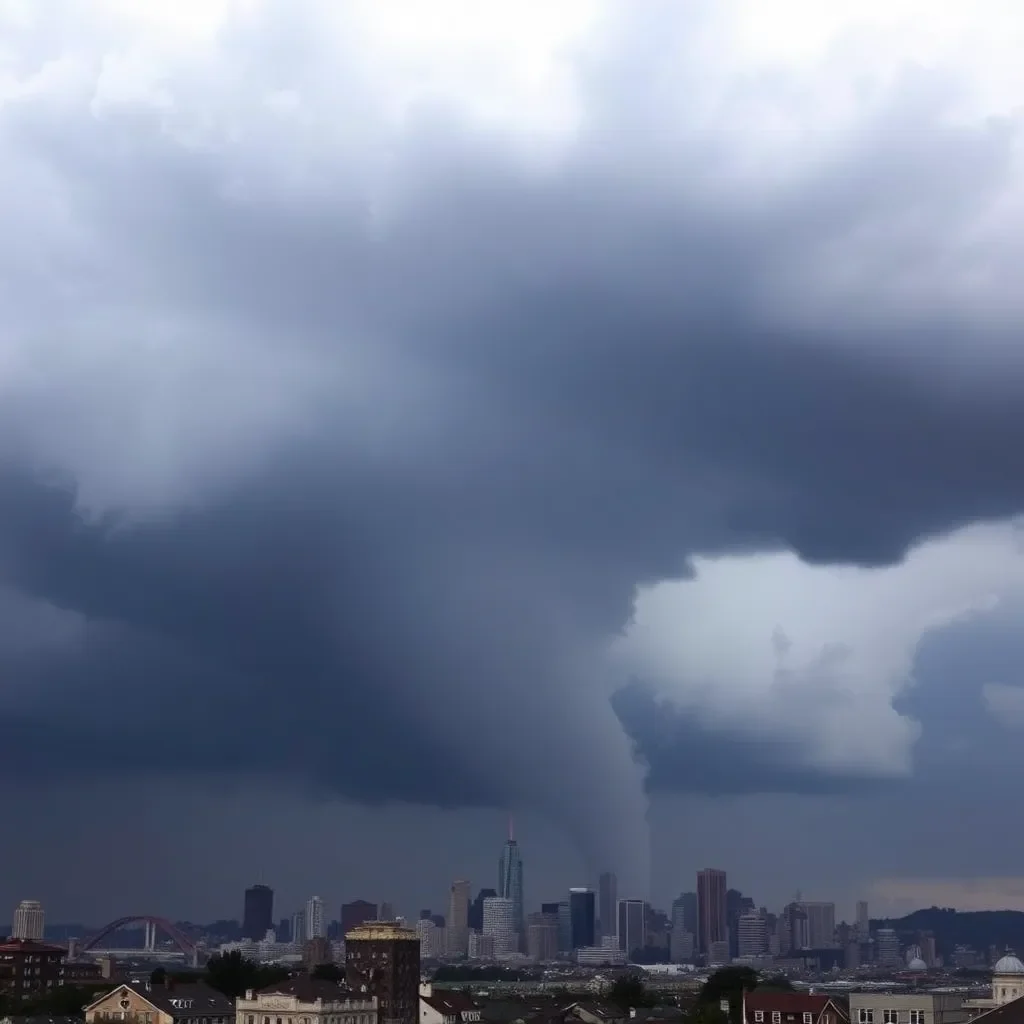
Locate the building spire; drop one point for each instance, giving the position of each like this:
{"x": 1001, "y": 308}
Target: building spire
{"x": 511, "y": 830}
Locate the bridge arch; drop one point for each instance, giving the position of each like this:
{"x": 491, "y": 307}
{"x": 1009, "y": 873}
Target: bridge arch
{"x": 178, "y": 937}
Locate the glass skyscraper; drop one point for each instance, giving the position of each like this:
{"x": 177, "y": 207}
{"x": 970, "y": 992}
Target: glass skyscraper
{"x": 510, "y": 881}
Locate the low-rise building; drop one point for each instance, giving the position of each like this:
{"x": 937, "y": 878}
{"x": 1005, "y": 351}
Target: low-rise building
{"x": 161, "y": 1004}
{"x": 792, "y": 1008}
{"x": 29, "y": 969}
{"x": 447, "y": 1007}
{"x": 306, "y": 1000}
{"x": 922, "y": 1007}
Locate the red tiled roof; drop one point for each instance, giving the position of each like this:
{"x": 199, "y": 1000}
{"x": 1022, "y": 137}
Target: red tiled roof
{"x": 786, "y": 1002}
{"x": 28, "y": 946}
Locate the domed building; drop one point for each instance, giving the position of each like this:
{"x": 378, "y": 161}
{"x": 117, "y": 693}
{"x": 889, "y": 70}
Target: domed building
{"x": 917, "y": 966}
{"x": 1007, "y": 986}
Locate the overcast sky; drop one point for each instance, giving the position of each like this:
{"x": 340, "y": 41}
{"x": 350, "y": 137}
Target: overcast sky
{"x": 604, "y": 413}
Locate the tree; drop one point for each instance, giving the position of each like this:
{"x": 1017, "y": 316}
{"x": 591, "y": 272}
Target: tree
{"x": 708, "y": 1013}
{"x": 158, "y": 977}
{"x": 328, "y": 972}
{"x": 728, "y": 984}
{"x": 628, "y": 992}
{"x": 232, "y": 974}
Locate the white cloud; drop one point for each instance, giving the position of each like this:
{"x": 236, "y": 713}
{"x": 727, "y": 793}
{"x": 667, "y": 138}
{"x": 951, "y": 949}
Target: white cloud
{"x": 1004, "y": 703}
{"x": 815, "y": 654}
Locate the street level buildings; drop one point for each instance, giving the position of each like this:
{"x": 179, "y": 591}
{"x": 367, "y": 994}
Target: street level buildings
{"x": 306, "y": 1000}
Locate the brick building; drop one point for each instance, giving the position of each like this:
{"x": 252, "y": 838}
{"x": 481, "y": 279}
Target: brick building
{"x": 29, "y": 969}
{"x": 382, "y": 959}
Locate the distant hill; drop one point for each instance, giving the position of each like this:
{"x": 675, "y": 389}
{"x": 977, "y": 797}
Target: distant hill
{"x": 979, "y": 929}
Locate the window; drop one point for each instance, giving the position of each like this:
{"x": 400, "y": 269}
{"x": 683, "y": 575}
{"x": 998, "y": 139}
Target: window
{"x": 865, "y": 1016}
{"x": 808, "y": 1018}
{"x": 776, "y": 1017}
{"x": 252, "y": 1019}
{"x": 890, "y": 1017}
{"x": 759, "y": 1016}
{"x": 917, "y": 1017}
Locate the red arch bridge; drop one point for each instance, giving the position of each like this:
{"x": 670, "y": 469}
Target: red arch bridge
{"x": 153, "y": 925}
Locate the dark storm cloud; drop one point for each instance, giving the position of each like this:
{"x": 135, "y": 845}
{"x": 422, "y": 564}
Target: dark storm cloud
{"x": 564, "y": 386}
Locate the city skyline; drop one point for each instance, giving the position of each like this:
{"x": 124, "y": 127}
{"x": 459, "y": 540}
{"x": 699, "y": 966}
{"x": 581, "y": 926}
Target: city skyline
{"x": 604, "y": 418}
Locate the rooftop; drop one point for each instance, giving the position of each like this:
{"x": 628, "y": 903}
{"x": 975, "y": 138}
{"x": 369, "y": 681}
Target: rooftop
{"x": 12, "y": 945}
{"x": 309, "y": 990}
{"x": 380, "y": 931}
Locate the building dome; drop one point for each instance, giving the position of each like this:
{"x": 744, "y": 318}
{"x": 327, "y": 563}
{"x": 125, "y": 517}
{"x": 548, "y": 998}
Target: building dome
{"x": 917, "y": 964}
{"x": 1009, "y": 964}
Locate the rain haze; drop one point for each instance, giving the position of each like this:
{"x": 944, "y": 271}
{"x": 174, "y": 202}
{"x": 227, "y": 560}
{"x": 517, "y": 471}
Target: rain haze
{"x": 606, "y": 414}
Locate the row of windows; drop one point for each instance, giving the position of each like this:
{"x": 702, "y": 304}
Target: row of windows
{"x": 349, "y": 1018}
{"x": 808, "y": 1018}
{"x": 867, "y": 1016}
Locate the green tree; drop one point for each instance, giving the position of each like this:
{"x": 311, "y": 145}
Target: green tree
{"x": 728, "y": 984}
{"x": 232, "y": 974}
{"x": 628, "y": 992}
{"x": 707, "y": 1013}
{"x": 328, "y": 972}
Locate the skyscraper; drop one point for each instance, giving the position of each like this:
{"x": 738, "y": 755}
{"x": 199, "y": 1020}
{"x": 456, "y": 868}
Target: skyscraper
{"x": 581, "y": 916}
{"x": 315, "y": 928}
{"x": 630, "y": 925}
{"x": 458, "y": 919}
{"x": 476, "y": 909}
{"x": 258, "y": 912}
{"x": 863, "y": 921}
{"x": 499, "y": 914}
{"x": 510, "y": 879}
{"x": 711, "y": 918}
{"x": 607, "y": 901}
{"x": 356, "y": 913}
{"x": 821, "y": 923}
{"x": 29, "y": 921}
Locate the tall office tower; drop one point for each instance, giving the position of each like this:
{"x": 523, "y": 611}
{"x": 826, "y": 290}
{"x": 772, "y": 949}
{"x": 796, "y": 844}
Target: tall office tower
{"x": 607, "y": 903}
{"x": 542, "y": 936}
{"x": 387, "y": 911}
{"x": 476, "y": 909}
{"x": 887, "y": 946}
{"x": 510, "y": 878}
{"x": 29, "y": 921}
{"x": 431, "y": 939}
{"x": 821, "y": 924}
{"x": 794, "y": 933}
{"x": 630, "y": 926}
{"x": 458, "y": 919}
{"x": 863, "y": 921}
{"x": 315, "y": 918}
{"x": 711, "y": 921}
{"x": 356, "y": 913}
{"x": 383, "y": 959}
{"x": 736, "y": 904}
{"x": 284, "y": 930}
{"x": 581, "y": 917}
{"x": 299, "y": 927}
{"x": 752, "y": 934}
{"x": 499, "y": 924}
{"x": 564, "y": 927}
{"x": 258, "y": 912}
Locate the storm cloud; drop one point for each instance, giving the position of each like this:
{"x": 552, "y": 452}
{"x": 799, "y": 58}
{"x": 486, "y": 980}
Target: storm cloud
{"x": 339, "y": 405}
